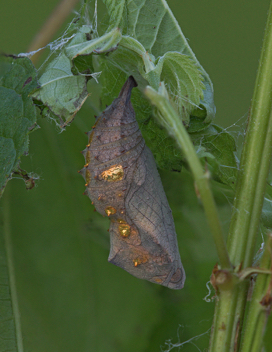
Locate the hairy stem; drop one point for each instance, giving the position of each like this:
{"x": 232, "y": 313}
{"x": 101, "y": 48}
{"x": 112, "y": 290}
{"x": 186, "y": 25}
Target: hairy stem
{"x": 255, "y": 161}
{"x": 259, "y": 306}
{"x": 249, "y": 196}
{"x": 172, "y": 122}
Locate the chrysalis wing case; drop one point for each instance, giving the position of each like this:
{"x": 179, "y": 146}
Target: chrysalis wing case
{"x": 123, "y": 182}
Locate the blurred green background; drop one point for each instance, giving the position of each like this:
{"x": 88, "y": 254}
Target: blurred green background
{"x": 70, "y": 297}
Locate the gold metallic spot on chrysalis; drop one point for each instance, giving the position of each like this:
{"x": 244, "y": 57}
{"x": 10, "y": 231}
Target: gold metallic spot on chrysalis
{"x": 110, "y": 211}
{"x": 124, "y": 230}
{"x": 114, "y": 173}
{"x": 140, "y": 260}
{"x": 158, "y": 280}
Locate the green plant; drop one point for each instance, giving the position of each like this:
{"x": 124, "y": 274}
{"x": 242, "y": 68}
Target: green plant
{"x": 171, "y": 78}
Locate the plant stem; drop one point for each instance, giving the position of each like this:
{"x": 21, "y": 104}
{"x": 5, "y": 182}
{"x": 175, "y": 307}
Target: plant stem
{"x": 172, "y": 122}
{"x": 249, "y": 196}
{"x": 257, "y": 316}
{"x": 254, "y": 162}
{"x": 51, "y": 26}
{"x": 225, "y": 305}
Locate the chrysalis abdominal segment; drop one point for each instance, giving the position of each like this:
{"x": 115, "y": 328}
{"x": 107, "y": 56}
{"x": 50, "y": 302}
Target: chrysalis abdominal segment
{"x": 123, "y": 182}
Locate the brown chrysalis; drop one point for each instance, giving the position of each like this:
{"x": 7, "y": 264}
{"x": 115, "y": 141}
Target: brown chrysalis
{"x": 123, "y": 182}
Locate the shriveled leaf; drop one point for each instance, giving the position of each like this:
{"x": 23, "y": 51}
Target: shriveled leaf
{"x": 61, "y": 91}
{"x": 82, "y": 45}
{"x": 17, "y": 113}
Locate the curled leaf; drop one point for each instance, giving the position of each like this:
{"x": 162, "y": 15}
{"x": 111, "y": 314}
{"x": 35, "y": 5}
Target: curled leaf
{"x": 80, "y": 45}
{"x": 61, "y": 91}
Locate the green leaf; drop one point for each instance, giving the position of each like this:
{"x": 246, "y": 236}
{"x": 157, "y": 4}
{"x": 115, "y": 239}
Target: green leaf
{"x": 129, "y": 59}
{"x": 183, "y": 82}
{"x": 152, "y": 23}
{"x": 163, "y": 147}
{"x": 64, "y": 83}
{"x": 17, "y": 113}
{"x": 61, "y": 91}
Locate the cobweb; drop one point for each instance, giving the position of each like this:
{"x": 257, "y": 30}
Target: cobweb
{"x": 87, "y": 15}
{"x": 192, "y": 341}
{"x": 208, "y": 297}
{"x": 69, "y": 33}
{"x": 237, "y": 131}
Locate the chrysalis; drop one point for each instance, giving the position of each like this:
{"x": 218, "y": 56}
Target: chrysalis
{"x": 123, "y": 182}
